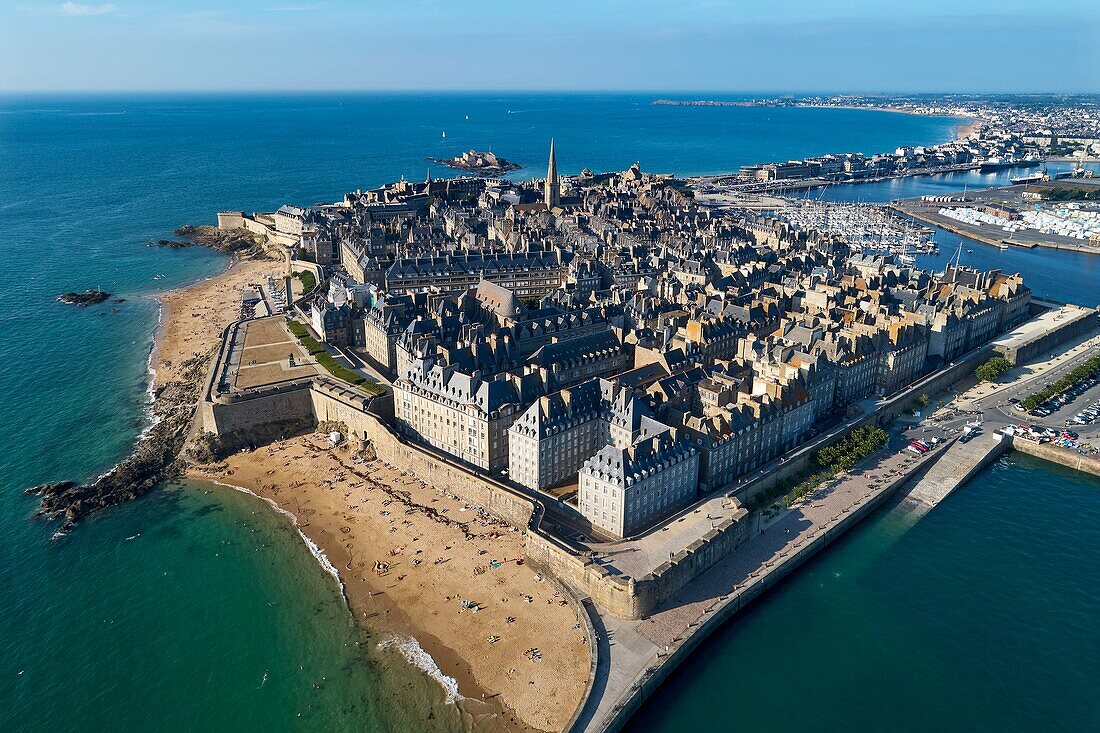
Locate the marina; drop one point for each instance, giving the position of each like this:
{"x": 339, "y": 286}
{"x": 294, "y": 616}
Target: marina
{"x": 867, "y": 228}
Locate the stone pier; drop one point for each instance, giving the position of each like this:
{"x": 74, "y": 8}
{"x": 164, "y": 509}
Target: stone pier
{"x": 957, "y": 465}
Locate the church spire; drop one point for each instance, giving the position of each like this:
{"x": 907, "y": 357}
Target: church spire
{"x": 552, "y": 190}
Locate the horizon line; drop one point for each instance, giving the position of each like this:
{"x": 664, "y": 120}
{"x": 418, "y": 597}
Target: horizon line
{"x": 767, "y": 93}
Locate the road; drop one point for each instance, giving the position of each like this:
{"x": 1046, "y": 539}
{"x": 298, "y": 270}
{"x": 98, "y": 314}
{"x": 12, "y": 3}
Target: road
{"x": 993, "y": 401}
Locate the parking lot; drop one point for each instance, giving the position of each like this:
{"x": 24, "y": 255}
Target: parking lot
{"x": 1080, "y": 405}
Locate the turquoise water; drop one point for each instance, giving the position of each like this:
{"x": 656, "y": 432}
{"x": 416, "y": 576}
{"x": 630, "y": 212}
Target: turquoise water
{"x": 191, "y": 611}
{"x": 174, "y": 629}
{"x": 982, "y": 615}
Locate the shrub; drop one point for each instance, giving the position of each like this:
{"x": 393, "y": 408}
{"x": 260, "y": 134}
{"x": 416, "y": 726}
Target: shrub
{"x": 317, "y": 350}
{"x": 825, "y": 464}
{"x": 309, "y": 282}
{"x": 297, "y": 329}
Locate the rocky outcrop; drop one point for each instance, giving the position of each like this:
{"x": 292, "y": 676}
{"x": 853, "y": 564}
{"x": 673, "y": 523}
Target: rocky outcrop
{"x": 239, "y": 242}
{"x": 88, "y": 297}
{"x": 155, "y": 458}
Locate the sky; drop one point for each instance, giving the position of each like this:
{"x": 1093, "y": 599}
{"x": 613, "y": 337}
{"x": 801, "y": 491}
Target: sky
{"x": 693, "y": 45}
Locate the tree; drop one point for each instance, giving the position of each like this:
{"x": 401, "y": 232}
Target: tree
{"x": 992, "y": 369}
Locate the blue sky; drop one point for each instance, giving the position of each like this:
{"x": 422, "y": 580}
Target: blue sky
{"x": 697, "y": 45}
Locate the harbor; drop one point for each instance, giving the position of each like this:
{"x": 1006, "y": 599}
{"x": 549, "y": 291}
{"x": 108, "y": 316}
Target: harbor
{"x": 1013, "y": 217}
{"x": 868, "y": 229}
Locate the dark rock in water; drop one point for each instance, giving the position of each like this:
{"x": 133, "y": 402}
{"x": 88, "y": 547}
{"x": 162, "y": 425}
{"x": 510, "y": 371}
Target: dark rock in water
{"x": 88, "y": 297}
{"x": 175, "y": 243}
{"x": 154, "y": 458}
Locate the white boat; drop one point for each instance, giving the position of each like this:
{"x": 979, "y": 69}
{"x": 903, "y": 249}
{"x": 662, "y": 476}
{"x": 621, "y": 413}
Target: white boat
{"x": 1032, "y": 178}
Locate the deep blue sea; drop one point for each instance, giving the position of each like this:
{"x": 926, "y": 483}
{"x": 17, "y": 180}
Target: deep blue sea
{"x": 198, "y": 608}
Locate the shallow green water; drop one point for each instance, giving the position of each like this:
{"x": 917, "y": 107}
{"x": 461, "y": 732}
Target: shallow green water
{"x": 197, "y": 611}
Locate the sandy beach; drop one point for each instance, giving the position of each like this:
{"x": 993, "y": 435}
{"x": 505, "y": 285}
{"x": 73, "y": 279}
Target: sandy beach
{"x": 192, "y": 318}
{"x": 418, "y": 562}
{"x": 449, "y": 576}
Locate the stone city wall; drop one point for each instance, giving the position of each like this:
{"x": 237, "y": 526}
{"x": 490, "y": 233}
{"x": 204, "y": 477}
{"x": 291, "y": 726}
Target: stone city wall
{"x": 443, "y": 472}
{"x": 1076, "y": 325}
{"x": 272, "y": 413}
{"x": 263, "y": 416}
{"x": 688, "y": 564}
{"x": 613, "y": 593}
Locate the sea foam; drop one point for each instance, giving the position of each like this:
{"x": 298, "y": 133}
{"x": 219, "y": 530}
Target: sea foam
{"x": 412, "y": 651}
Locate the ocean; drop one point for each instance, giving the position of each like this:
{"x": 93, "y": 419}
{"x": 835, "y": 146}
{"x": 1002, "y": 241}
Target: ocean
{"x": 981, "y": 615}
{"x": 198, "y": 608}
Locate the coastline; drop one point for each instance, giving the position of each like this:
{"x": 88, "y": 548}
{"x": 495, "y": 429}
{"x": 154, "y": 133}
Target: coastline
{"x": 966, "y": 127}
{"x": 497, "y": 685}
{"x": 441, "y": 552}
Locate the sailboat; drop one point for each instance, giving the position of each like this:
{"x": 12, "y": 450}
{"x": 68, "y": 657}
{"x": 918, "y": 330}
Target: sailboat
{"x": 444, "y": 134}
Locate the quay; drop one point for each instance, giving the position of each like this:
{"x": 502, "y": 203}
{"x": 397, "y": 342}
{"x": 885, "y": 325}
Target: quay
{"x": 1005, "y": 196}
{"x": 1061, "y": 456}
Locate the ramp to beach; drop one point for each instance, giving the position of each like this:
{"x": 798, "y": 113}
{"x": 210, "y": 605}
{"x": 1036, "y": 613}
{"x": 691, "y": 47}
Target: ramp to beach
{"x": 956, "y": 466}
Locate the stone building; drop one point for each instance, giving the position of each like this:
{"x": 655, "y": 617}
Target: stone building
{"x": 552, "y": 439}
{"x": 626, "y": 490}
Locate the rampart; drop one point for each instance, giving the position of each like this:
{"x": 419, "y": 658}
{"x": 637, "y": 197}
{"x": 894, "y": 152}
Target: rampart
{"x": 268, "y": 413}
{"x": 274, "y": 411}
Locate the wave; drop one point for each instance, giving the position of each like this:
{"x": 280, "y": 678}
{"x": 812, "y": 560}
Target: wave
{"x": 318, "y": 554}
{"x": 151, "y": 417}
{"x": 412, "y": 651}
{"x": 407, "y": 646}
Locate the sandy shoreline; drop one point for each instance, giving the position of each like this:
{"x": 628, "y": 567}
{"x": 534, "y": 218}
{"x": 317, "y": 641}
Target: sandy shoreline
{"x": 192, "y": 318}
{"x": 442, "y": 556}
{"x": 515, "y": 648}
